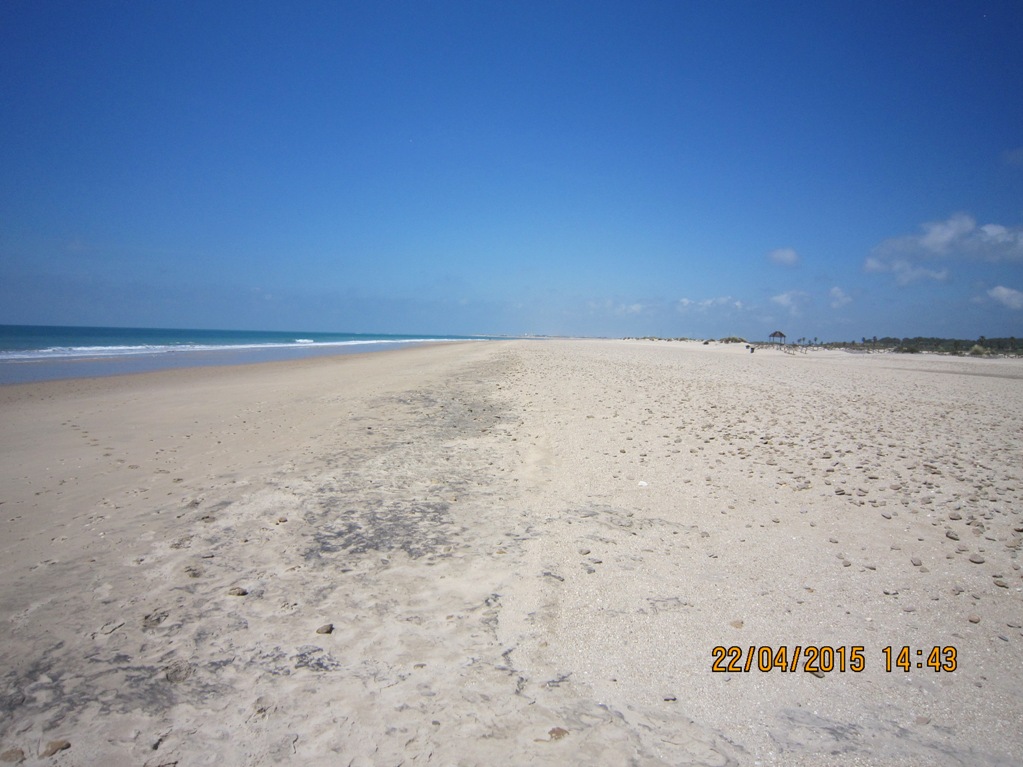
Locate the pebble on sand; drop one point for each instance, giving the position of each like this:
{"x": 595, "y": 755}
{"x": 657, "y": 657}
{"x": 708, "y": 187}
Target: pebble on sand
{"x": 326, "y": 628}
{"x": 977, "y": 559}
{"x": 54, "y": 746}
{"x": 12, "y": 755}
{"x": 238, "y": 591}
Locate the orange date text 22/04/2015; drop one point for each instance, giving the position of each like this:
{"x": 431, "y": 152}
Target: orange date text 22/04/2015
{"x": 825, "y": 659}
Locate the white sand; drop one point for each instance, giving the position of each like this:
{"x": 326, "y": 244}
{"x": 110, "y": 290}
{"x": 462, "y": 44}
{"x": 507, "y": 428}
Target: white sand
{"x": 527, "y": 551}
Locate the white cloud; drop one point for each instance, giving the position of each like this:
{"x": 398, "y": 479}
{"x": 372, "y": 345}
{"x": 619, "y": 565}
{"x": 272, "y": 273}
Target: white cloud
{"x": 784, "y": 256}
{"x": 608, "y": 306}
{"x": 904, "y": 270}
{"x": 793, "y": 300}
{"x": 956, "y": 237}
{"x": 839, "y": 298}
{"x": 1007, "y": 296}
{"x": 939, "y": 236}
{"x": 721, "y": 302}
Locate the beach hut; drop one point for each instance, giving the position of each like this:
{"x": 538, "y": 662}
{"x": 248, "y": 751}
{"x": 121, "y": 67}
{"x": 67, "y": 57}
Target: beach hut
{"x": 778, "y": 337}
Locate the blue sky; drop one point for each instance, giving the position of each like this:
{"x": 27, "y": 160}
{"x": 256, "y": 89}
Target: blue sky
{"x": 833, "y": 170}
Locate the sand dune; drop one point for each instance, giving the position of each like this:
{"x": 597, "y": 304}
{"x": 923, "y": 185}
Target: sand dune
{"x": 512, "y": 553}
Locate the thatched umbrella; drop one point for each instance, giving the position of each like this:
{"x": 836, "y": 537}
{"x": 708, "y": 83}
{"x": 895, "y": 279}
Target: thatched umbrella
{"x": 778, "y": 336}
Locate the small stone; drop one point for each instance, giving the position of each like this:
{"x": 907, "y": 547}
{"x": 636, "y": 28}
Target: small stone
{"x": 238, "y": 591}
{"x": 886, "y": 515}
{"x": 977, "y": 559}
{"x": 909, "y": 609}
{"x": 584, "y": 552}
{"x": 973, "y": 618}
{"x": 178, "y": 671}
{"x": 154, "y": 619}
{"x": 922, "y": 720}
{"x": 915, "y": 561}
{"x": 13, "y": 755}
{"x": 557, "y": 733}
{"x": 55, "y": 746}
{"x": 670, "y": 699}
{"x": 326, "y": 628}
{"x": 952, "y": 535}
{"x": 738, "y": 624}
{"x": 1001, "y": 584}
{"x": 954, "y": 515}
{"x": 819, "y": 674}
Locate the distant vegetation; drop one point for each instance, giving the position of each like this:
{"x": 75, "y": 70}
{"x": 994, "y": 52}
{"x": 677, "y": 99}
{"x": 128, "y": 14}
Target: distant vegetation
{"x": 980, "y": 347}
{"x": 976, "y": 347}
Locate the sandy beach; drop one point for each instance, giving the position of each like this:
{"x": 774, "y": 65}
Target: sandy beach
{"x": 517, "y": 552}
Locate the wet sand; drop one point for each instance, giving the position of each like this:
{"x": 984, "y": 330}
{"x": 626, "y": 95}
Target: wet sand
{"x": 515, "y": 552}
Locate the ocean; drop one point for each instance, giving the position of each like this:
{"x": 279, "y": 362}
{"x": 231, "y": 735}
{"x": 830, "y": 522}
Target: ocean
{"x": 41, "y": 353}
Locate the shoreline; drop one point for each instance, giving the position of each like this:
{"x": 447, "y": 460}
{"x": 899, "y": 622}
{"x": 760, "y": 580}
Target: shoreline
{"x": 26, "y": 371}
{"x": 510, "y": 552}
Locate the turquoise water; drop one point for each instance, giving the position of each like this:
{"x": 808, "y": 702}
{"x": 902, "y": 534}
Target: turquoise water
{"x": 39, "y": 353}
